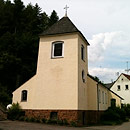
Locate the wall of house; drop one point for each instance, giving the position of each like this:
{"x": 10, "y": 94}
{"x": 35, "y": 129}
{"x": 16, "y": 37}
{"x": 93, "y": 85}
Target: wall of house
{"x": 103, "y": 95}
{"x": 56, "y": 85}
{"x": 92, "y": 94}
{"x": 113, "y": 96}
{"x": 30, "y": 86}
{"x": 125, "y": 94}
{"x": 82, "y": 86}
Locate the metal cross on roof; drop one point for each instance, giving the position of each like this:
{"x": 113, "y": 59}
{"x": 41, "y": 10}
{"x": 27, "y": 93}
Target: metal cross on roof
{"x": 66, "y": 8}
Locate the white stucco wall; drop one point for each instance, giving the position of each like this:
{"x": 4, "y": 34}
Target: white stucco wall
{"x": 82, "y": 86}
{"x": 56, "y": 84}
{"x": 125, "y": 94}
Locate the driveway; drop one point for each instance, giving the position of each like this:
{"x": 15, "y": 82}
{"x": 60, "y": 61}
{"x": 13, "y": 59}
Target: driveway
{"x": 17, "y": 125}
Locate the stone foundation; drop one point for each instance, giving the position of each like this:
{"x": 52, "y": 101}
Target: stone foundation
{"x": 79, "y": 117}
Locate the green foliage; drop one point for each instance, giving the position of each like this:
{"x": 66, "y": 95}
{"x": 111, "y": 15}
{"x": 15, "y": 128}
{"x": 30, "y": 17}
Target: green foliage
{"x": 21, "y": 118}
{"x": 51, "y": 121}
{"x": 32, "y": 119}
{"x": 126, "y": 107}
{"x": 5, "y": 96}
{"x": 53, "y": 18}
{"x": 14, "y": 112}
{"x": 60, "y": 122}
{"x": 72, "y": 123}
{"x": 44, "y": 120}
{"x": 27, "y": 119}
{"x": 20, "y": 26}
{"x": 65, "y": 122}
{"x": 110, "y": 115}
{"x": 114, "y": 115}
{"x": 38, "y": 120}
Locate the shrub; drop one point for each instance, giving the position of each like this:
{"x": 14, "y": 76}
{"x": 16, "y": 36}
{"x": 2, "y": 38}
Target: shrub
{"x": 14, "y": 112}
{"x": 65, "y": 122}
{"x": 126, "y": 107}
{"x": 114, "y": 115}
{"x": 72, "y": 123}
{"x": 32, "y": 119}
{"x": 110, "y": 115}
{"x": 44, "y": 120}
{"x": 26, "y": 119}
{"x": 21, "y": 118}
{"x": 38, "y": 120}
{"x": 60, "y": 122}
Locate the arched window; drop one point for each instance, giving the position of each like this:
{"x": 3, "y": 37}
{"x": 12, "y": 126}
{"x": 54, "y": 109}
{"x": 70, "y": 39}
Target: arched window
{"x": 57, "y": 49}
{"x": 24, "y": 95}
{"x": 82, "y": 53}
{"x": 83, "y": 76}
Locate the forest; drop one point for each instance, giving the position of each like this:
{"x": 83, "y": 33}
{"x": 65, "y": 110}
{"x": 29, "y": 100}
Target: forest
{"x": 20, "y": 27}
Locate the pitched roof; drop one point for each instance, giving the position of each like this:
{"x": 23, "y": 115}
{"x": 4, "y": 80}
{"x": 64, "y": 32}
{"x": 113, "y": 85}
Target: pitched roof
{"x": 104, "y": 86}
{"x": 127, "y": 76}
{"x": 63, "y": 26}
{"x": 109, "y": 85}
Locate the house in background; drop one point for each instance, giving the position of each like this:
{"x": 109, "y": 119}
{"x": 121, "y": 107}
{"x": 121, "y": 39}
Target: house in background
{"x": 61, "y": 88}
{"x": 122, "y": 87}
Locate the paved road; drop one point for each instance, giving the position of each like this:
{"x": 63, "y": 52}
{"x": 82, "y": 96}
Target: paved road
{"x": 16, "y": 125}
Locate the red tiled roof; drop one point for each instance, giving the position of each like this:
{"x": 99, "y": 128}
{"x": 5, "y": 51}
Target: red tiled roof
{"x": 127, "y": 76}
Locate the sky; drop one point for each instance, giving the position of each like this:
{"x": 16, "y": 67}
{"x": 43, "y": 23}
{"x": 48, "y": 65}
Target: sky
{"x": 106, "y": 26}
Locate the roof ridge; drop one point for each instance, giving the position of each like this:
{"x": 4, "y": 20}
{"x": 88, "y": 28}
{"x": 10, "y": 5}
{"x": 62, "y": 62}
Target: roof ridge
{"x": 63, "y": 26}
{"x": 126, "y": 75}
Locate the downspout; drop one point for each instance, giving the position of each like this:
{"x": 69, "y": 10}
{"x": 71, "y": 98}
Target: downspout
{"x": 97, "y": 97}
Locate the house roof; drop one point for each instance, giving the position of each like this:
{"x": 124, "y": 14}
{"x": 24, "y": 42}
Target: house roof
{"x": 127, "y": 76}
{"x": 109, "y": 85}
{"x": 63, "y": 26}
{"x": 104, "y": 86}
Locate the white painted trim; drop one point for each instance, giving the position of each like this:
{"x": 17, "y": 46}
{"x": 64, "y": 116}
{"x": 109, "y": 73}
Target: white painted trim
{"x": 52, "y": 52}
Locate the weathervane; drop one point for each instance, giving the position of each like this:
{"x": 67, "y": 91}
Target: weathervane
{"x": 66, "y": 8}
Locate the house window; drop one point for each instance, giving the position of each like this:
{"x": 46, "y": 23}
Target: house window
{"x": 53, "y": 115}
{"x": 57, "y": 49}
{"x": 105, "y": 98}
{"x": 118, "y": 87}
{"x": 126, "y": 87}
{"x": 102, "y": 97}
{"x": 83, "y": 76}
{"x": 99, "y": 93}
{"x": 113, "y": 102}
{"x": 24, "y": 95}
{"x": 82, "y": 53}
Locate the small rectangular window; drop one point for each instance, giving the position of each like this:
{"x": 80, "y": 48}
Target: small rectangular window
{"x": 118, "y": 87}
{"x": 106, "y": 98}
{"x": 103, "y": 97}
{"x": 24, "y": 95}
{"x": 82, "y": 53}
{"x": 83, "y": 76}
{"x": 57, "y": 49}
{"x": 126, "y": 87}
{"x": 99, "y": 93}
{"x": 53, "y": 115}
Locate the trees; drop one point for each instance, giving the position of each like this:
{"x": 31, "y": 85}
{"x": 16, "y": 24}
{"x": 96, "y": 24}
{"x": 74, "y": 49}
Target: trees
{"x": 20, "y": 26}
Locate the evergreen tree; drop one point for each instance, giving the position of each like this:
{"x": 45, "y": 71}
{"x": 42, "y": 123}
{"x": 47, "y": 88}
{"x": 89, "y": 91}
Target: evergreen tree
{"x": 53, "y": 18}
{"x": 20, "y": 27}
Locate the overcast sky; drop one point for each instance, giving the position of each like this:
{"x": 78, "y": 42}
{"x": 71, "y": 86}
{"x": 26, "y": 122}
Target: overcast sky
{"x": 105, "y": 24}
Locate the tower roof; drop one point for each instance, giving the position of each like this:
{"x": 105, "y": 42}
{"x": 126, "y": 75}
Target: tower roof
{"x": 63, "y": 26}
